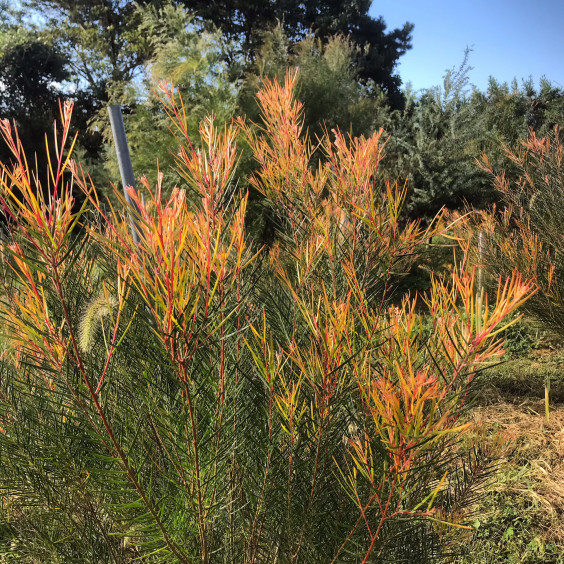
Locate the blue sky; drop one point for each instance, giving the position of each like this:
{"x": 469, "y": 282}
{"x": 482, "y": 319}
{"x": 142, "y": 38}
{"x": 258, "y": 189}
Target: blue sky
{"x": 510, "y": 39}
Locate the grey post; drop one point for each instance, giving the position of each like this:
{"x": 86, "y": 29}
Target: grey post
{"x": 125, "y": 166}
{"x": 480, "y": 261}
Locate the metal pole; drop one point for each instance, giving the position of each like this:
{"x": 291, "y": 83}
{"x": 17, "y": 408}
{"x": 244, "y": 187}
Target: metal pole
{"x": 125, "y": 166}
{"x": 480, "y": 261}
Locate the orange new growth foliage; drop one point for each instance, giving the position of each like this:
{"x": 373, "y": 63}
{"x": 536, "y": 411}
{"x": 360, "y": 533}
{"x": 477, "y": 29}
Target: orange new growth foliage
{"x": 280, "y": 148}
{"x": 526, "y": 233}
{"x": 343, "y": 226}
{"x": 348, "y": 386}
{"x": 414, "y": 397}
{"x": 45, "y": 225}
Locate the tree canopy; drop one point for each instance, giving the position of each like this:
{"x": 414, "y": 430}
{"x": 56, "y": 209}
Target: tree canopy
{"x": 31, "y": 71}
{"x": 103, "y": 40}
{"x": 246, "y": 20}
{"x": 107, "y": 44}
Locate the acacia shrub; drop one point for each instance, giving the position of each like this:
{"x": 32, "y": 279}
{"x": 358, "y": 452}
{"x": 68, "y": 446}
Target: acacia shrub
{"x": 191, "y": 399}
{"x": 526, "y": 231}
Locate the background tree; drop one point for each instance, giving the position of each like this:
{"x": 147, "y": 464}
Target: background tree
{"x": 510, "y": 110}
{"x": 328, "y": 83}
{"x": 194, "y": 61}
{"x": 435, "y": 140}
{"x": 106, "y": 47}
{"x": 111, "y": 50}
{"x": 102, "y": 39}
{"x": 31, "y": 72}
{"x": 73, "y": 50}
{"x": 245, "y": 21}
{"x": 441, "y": 132}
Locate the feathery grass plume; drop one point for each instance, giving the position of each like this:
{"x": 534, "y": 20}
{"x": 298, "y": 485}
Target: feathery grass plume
{"x": 92, "y": 320}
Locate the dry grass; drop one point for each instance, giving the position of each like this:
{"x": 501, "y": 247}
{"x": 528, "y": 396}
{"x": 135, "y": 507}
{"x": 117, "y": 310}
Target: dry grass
{"x": 538, "y": 446}
{"x": 522, "y": 515}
